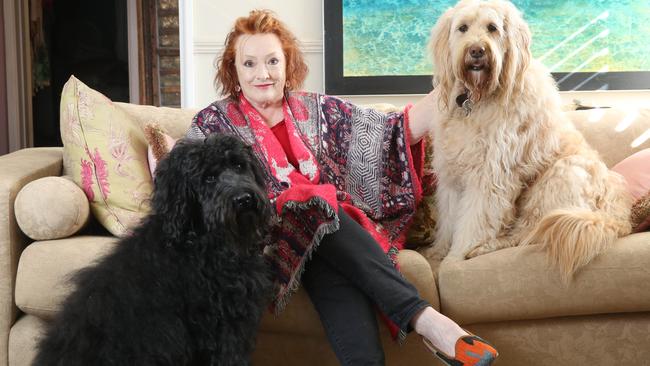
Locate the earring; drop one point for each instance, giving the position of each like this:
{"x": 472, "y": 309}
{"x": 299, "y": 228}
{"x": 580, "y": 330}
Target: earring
{"x": 287, "y": 85}
{"x": 237, "y": 88}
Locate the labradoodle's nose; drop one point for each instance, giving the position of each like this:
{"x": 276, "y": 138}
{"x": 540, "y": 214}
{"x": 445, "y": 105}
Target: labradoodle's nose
{"x": 477, "y": 51}
{"x": 244, "y": 200}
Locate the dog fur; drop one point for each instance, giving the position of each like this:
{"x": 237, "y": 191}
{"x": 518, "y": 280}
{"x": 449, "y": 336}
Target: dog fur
{"x": 188, "y": 286}
{"x": 513, "y": 171}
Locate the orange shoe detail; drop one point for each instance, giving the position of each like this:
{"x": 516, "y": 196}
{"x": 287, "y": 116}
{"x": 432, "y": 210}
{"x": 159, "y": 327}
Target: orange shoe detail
{"x": 470, "y": 351}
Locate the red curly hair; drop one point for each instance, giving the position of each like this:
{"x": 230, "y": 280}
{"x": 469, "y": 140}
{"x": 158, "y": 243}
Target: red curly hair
{"x": 260, "y": 22}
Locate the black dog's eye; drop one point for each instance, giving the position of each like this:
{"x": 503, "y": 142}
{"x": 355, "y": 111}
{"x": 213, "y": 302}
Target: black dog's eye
{"x": 492, "y": 28}
{"x": 211, "y": 179}
{"x": 237, "y": 166}
{"x": 463, "y": 28}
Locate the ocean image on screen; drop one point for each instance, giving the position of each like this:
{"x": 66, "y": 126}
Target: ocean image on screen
{"x": 390, "y": 37}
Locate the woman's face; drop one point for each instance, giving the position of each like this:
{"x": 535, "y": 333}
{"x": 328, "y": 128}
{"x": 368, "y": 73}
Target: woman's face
{"x": 261, "y": 68}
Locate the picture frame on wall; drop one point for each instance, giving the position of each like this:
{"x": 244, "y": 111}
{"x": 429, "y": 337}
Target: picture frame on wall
{"x": 381, "y": 46}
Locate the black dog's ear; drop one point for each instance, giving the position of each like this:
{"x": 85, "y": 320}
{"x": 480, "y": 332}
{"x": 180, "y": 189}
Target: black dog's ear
{"x": 256, "y": 166}
{"x": 173, "y": 197}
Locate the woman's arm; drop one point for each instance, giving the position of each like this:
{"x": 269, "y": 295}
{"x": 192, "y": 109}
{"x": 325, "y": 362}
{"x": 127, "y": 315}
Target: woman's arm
{"x": 421, "y": 117}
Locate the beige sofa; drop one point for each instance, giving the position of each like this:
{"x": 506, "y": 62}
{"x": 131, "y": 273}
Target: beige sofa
{"x": 510, "y": 297}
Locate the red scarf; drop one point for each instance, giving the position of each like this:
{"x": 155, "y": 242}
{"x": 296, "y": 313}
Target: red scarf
{"x": 301, "y": 184}
{"x": 308, "y": 169}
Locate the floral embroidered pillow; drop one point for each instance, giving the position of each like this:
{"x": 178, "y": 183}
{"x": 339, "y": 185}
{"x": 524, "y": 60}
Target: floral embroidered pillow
{"x": 105, "y": 153}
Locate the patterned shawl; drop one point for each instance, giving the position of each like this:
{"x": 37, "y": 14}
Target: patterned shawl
{"x": 360, "y": 159}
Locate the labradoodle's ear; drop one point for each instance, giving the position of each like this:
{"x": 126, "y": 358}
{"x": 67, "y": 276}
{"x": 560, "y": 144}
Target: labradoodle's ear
{"x": 173, "y": 196}
{"x": 441, "y": 55}
{"x": 518, "y": 55}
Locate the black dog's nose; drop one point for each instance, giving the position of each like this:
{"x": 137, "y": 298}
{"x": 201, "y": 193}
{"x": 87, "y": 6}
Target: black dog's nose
{"x": 244, "y": 200}
{"x": 477, "y": 51}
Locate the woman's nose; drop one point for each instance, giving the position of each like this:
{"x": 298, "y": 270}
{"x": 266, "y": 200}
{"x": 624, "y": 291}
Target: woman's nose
{"x": 262, "y": 72}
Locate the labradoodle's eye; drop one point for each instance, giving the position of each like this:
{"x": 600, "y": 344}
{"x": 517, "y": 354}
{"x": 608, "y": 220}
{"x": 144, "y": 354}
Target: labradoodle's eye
{"x": 492, "y": 28}
{"x": 210, "y": 179}
{"x": 463, "y": 28}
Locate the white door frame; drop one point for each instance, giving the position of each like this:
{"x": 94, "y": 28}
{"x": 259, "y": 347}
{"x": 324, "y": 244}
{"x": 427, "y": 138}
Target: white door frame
{"x": 185, "y": 16}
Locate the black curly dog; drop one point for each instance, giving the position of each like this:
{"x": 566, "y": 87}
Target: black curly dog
{"x": 188, "y": 286}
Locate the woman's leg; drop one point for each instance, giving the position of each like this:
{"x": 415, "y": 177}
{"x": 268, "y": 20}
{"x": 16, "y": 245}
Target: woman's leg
{"x": 347, "y": 276}
{"x": 346, "y": 313}
{"x": 357, "y": 256}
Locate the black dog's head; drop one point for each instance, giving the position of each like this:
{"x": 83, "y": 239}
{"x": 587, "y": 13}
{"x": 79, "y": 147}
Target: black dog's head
{"x": 211, "y": 185}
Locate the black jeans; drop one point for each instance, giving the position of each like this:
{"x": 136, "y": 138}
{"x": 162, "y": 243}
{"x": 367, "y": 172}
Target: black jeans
{"x": 348, "y": 278}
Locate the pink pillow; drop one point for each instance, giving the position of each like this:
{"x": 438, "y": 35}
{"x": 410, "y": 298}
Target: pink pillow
{"x": 636, "y": 171}
{"x": 158, "y": 145}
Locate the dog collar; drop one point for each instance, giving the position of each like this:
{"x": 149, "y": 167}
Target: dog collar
{"x": 463, "y": 101}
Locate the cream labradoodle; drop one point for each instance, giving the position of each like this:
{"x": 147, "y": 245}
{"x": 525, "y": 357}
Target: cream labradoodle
{"x": 512, "y": 169}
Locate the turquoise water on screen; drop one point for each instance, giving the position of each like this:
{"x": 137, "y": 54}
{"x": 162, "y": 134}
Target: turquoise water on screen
{"x": 389, "y": 37}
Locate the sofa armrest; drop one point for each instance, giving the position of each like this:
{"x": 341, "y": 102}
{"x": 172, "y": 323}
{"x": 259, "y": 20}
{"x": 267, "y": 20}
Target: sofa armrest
{"x": 16, "y": 170}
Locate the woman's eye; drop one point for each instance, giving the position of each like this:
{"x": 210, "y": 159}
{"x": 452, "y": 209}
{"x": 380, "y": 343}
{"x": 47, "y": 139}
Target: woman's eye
{"x": 248, "y": 63}
{"x": 492, "y": 28}
{"x": 463, "y": 28}
{"x": 274, "y": 61}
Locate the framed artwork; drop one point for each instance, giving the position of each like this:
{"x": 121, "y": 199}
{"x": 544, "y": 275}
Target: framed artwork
{"x": 380, "y": 46}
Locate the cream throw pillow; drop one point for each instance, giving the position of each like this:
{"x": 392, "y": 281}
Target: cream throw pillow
{"x": 51, "y": 208}
{"x": 105, "y": 153}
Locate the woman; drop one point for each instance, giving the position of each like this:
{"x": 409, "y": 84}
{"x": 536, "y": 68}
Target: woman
{"x": 345, "y": 182}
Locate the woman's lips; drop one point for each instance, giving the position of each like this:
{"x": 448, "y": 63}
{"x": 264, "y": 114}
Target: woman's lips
{"x": 263, "y": 86}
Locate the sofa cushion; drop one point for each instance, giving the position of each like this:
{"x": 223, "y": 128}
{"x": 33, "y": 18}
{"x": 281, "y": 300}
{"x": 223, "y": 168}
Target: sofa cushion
{"x": 105, "y": 152}
{"x": 615, "y": 133}
{"x": 590, "y": 340}
{"x": 23, "y": 339}
{"x": 45, "y": 268}
{"x": 518, "y": 283}
{"x": 51, "y": 208}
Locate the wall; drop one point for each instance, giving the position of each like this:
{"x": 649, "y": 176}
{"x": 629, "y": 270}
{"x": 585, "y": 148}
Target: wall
{"x": 211, "y": 20}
